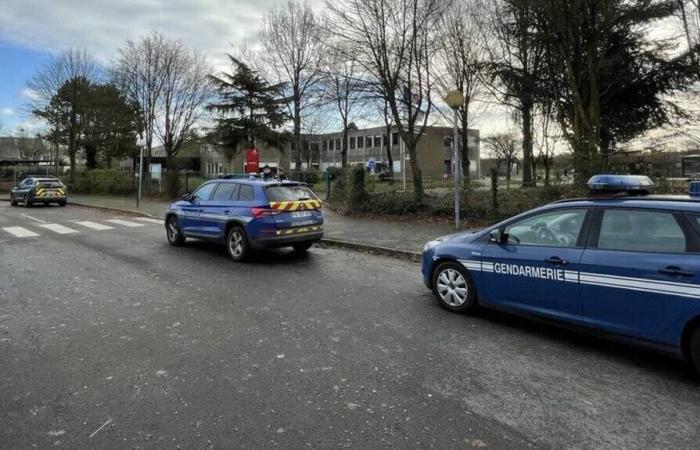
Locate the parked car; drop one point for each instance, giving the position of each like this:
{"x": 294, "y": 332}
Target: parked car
{"x": 621, "y": 262}
{"x": 39, "y": 189}
{"x": 247, "y": 214}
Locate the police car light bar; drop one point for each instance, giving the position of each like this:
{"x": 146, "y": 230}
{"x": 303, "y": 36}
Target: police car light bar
{"x": 620, "y": 183}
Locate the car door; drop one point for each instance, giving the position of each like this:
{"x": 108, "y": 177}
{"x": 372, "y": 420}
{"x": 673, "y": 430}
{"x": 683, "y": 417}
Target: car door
{"x": 641, "y": 272}
{"x": 215, "y": 210}
{"x": 533, "y": 266}
{"x": 192, "y": 221}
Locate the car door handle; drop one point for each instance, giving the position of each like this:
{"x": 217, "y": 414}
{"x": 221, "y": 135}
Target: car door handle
{"x": 556, "y": 260}
{"x": 676, "y": 271}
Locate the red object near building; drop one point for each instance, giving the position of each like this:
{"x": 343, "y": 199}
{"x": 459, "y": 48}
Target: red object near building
{"x": 252, "y": 160}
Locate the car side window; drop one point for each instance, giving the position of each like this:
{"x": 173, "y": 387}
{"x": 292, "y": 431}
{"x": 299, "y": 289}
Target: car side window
{"x": 223, "y": 192}
{"x": 204, "y": 192}
{"x": 641, "y": 231}
{"x": 246, "y": 193}
{"x": 559, "y": 228}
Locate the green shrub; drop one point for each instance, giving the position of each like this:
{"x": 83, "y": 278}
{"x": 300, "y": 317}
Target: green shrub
{"x": 100, "y": 181}
{"x": 357, "y": 196}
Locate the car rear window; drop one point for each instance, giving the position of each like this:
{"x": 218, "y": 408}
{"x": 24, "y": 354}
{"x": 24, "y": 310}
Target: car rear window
{"x": 50, "y": 183}
{"x": 289, "y": 193}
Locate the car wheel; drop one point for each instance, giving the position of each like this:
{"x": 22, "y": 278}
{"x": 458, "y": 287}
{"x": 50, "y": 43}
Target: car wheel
{"x": 694, "y": 350}
{"x": 237, "y": 243}
{"x": 13, "y": 202}
{"x": 62, "y": 203}
{"x": 454, "y": 289}
{"x": 302, "y": 247}
{"x": 27, "y": 202}
{"x": 173, "y": 232}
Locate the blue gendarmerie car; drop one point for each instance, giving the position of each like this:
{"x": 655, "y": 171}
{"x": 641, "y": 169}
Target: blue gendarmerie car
{"x": 621, "y": 262}
{"x": 246, "y": 215}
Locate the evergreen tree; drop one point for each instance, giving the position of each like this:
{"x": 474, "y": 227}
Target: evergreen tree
{"x": 250, "y": 110}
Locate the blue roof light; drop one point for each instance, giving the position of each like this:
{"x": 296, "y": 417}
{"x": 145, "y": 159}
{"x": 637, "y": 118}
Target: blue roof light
{"x": 620, "y": 183}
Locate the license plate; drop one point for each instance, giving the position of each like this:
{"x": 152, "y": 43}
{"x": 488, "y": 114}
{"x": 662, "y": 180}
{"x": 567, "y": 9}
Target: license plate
{"x": 301, "y": 214}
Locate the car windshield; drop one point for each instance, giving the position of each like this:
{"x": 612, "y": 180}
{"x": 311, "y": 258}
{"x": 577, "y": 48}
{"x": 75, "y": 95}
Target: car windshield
{"x": 289, "y": 193}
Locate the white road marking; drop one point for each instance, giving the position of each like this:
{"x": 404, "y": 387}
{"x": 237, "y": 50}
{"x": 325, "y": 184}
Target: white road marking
{"x": 58, "y": 228}
{"x": 20, "y": 232}
{"x": 33, "y": 218}
{"x": 150, "y": 220}
{"x": 125, "y": 223}
{"x": 93, "y": 225}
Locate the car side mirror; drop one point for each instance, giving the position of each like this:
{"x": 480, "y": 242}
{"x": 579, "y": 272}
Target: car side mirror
{"x": 186, "y": 197}
{"x": 496, "y": 236}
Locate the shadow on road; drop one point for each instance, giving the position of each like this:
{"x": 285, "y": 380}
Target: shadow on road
{"x": 655, "y": 362}
{"x": 271, "y": 257}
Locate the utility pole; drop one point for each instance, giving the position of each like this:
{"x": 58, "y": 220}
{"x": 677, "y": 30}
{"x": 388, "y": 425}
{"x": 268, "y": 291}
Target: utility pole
{"x": 455, "y": 100}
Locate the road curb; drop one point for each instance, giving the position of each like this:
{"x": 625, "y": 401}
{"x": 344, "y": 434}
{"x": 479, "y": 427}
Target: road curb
{"x": 107, "y": 208}
{"x": 330, "y": 242}
{"x": 373, "y": 249}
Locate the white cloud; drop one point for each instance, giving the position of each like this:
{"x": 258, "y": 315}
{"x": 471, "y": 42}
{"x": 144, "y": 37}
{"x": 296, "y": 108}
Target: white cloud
{"x": 7, "y": 112}
{"x": 29, "y": 94}
{"x": 102, "y": 26}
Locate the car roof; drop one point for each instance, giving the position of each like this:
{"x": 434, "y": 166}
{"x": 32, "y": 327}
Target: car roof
{"x": 670, "y": 202}
{"x": 258, "y": 182}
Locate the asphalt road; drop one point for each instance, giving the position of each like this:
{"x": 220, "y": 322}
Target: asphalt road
{"x": 111, "y": 339}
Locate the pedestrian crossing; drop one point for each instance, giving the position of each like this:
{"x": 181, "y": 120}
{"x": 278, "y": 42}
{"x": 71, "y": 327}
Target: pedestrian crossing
{"x": 34, "y": 230}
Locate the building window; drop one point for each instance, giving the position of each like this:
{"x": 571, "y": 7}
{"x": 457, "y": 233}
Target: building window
{"x": 360, "y": 141}
{"x": 368, "y": 141}
{"x": 325, "y": 145}
{"x": 395, "y": 138}
{"x": 378, "y": 142}
{"x": 337, "y": 144}
{"x": 330, "y": 144}
{"x": 352, "y": 143}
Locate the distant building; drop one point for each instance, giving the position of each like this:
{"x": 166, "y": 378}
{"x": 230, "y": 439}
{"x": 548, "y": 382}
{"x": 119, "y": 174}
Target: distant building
{"x": 434, "y": 150}
{"x": 321, "y": 151}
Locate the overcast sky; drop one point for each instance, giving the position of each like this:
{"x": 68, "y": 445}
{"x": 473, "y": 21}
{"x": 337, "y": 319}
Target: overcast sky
{"x": 32, "y": 30}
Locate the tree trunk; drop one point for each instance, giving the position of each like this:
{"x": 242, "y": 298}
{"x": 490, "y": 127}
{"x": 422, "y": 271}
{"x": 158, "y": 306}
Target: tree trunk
{"x": 297, "y": 131}
{"x": 545, "y": 163}
{"x": 527, "y": 145}
{"x": 344, "y": 146}
{"x": 90, "y": 156}
{"x": 172, "y": 174}
{"x": 418, "y": 192}
{"x": 389, "y": 158}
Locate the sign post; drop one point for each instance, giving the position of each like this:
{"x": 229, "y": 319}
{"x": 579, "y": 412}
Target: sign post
{"x": 454, "y": 100}
{"x": 138, "y": 195}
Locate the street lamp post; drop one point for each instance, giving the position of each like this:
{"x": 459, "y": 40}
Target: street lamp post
{"x": 455, "y": 99}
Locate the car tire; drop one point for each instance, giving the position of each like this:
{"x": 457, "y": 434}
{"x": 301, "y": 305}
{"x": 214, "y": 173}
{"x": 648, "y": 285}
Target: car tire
{"x": 13, "y": 202}
{"x": 173, "y": 232}
{"x": 237, "y": 243}
{"x": 454, "y": 288}
{"x": 62, "y": 203}
{"x": 27, "y": 202}
{"x": 693, "y": 355}
{"x": 302, "y": 247}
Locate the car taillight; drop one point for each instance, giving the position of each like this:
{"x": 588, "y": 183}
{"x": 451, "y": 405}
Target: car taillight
{"x": 262, "y": 212}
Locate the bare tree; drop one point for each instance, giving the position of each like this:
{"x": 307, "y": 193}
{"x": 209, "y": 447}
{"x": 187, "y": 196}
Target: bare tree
{"x": 343, "y": 88}
{"x": 461, "y": 63}
{"x": 393, "y": 41}
{"x": 295, "y": 50}
{"x": 517, "y": 65}
{"x": 505, "y": 149}
{"x": 548, "y": 137}
{"x": 186, "y": 89}
{"x": 138, "y": 71}
{"x": 63, "y": 72}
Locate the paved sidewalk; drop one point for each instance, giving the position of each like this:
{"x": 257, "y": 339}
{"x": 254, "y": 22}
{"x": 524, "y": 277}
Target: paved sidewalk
{"x": 405, "y": 237}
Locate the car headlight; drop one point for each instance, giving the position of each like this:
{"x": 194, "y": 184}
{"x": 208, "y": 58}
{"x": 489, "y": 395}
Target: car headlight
{"x": 430, "y": 244}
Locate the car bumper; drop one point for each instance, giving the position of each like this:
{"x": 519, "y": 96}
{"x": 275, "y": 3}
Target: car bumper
{"x": 286, "y": 241}
{"x": 49, "y": 198}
